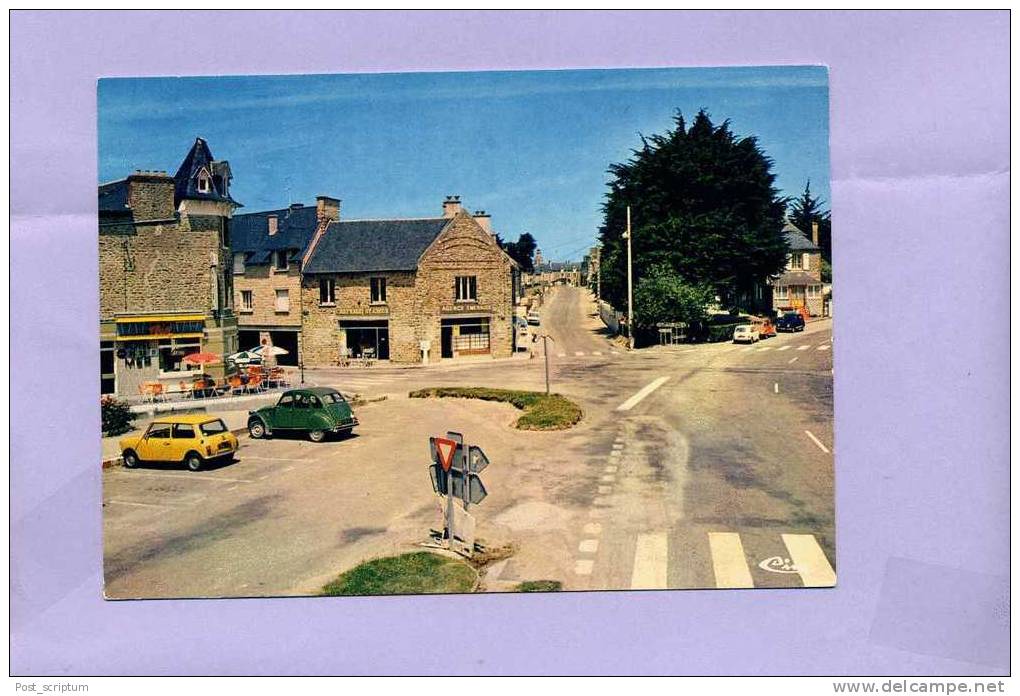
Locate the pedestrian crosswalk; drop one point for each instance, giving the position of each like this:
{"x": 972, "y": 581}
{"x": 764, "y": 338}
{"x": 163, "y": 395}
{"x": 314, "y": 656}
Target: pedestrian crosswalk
{"x": 734, "y": 561}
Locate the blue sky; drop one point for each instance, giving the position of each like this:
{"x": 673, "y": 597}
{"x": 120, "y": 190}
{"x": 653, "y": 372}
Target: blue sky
{"x": 531, "y": 148}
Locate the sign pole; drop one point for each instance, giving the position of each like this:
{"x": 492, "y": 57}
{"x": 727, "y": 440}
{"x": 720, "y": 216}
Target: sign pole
{"x": 449, "y": 509}
{"x": 545, "y": 346}
{"x": 630, "y": 287}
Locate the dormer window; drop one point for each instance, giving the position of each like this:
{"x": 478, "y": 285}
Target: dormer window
{"x": 203, "y": 182}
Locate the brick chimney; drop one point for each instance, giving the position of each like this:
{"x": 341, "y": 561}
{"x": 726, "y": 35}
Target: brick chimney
{"x": 451, "y": 206}
{"x": 484, "y": 220}
{"x": 151, "y": 195}
{"x": 273, "y": 224}
{"x": 327, "y": 208}
{"x": 814, "y": 232}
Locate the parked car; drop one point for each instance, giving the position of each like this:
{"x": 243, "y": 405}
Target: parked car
{"x": 315, "y": 411}
{"x": 522, "y": 331}
{"x": 745, "y": 333}
{"x": 766, "y": 329}
{"x": 790, "y": 321}
{"x": 192, "y": 439}
{"x": 533, "y": 318}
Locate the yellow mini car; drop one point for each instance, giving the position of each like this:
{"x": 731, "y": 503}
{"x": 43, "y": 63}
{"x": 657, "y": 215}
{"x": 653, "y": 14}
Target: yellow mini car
{"x": 191, "y": 439}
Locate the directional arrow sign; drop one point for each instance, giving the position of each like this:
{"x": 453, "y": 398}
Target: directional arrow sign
{"x": 475, "y": 488}
{"x": 445, "y": 450}
{"x": 477, "y": 461}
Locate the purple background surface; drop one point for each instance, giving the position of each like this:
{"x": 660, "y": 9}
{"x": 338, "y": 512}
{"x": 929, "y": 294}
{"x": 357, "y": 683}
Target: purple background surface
{"x": 920, "y": 177}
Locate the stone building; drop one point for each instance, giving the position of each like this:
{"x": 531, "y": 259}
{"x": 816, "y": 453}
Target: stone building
{"x": 800, "y": 285}
{"x": 408, "y": 290}
{"x": 268, "y": 249}
{"x": 165, "y": 285}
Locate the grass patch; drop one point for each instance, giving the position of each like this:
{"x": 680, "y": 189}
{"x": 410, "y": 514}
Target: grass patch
{"x": 420, "y": 572}
{"x": 539, "y": 586}
{"x": 541, "y": 412}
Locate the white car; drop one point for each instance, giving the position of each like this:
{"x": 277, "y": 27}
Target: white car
{"x": 533, "y": 318}
{"x": 746, "y": 333}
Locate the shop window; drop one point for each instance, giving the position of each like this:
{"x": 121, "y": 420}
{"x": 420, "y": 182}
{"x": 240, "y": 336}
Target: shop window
{"x": 378, "y": 291}
{"x": 467, "y": 289}
{"x": 107, "y": 377}
{"x": 327, "y": 291}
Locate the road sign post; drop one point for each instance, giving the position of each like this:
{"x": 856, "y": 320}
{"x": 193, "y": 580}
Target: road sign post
{"x": 454, "y": 473}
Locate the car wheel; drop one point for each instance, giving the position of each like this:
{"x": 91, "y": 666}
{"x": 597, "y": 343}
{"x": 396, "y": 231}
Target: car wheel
{"x": 257, "y": 429}
{"x": 130, "y": 459}
{"x": 193, "y": 461}
{"x": 317, "y": 435}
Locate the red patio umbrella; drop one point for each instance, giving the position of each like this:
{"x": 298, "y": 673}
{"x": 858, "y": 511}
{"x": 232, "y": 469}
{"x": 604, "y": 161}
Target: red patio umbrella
{"x": 201, "y": 358}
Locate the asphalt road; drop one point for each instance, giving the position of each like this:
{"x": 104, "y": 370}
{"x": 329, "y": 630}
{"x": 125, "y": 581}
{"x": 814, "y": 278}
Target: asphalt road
{"x": 694, "y": 466}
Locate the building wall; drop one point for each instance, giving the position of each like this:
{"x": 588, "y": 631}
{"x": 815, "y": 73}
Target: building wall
{"x": 263, "y": 281}
{"x": 417, "y": 301}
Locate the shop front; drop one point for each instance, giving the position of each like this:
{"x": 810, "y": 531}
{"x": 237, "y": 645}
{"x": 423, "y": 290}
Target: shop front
{"x": 150, "y": 348}
{"x": 465, "y": 335}
{"x": 366, "y": 338}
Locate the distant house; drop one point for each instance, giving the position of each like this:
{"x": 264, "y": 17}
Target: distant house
{"x": 407, "y": 290}
{"x": 800, "y": 285}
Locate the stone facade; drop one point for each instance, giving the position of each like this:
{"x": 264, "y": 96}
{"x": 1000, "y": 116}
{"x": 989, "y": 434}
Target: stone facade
{"x": 262, "y": 282}
{"x": 418, "y": 301}
{"x": 155, "y": 261}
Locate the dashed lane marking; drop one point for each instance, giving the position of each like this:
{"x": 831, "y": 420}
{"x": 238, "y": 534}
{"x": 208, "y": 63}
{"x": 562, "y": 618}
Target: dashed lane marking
{"x": 583, "y": 566}
{"x": 596, "y": 352}
{"x": 608, "y": 478}
{"x": 588, "y": 546}
{"x": 809, "y": 560}
{"x": 728, "y": 560}
{"x": 792, "y": 360}
{"x": 579, "y": 353}
{"x": 803, "y": 347}
{"x": 561, "y": 355}
{"x": 824, "y": 346}
{"x": 816, "y": 441}
{"x": 776, "y": 385}
{"x": 645, "y": 391}
{"x": 784, "y": 348}
{"x": 650, "y": 562}
{"x": 617, "y": 445}
{"x": 764, "y": 348}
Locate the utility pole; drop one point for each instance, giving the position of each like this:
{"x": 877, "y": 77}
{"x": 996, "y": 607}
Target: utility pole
{"x": 630, "y": 286}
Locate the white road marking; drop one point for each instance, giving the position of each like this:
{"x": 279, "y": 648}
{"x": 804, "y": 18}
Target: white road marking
{"x": 617, "y": 445}
{"x": 151, "y": 505}
{"x": 230, "y": 488}
{"x": 583, "y": 566}
{"x": 650, "y": 562}
{"x": 823, "y": 347}
{"x": 748, "y": 349}
{"x": 561, "y": 355}
{"x": 608, "y": 478}
{"x": 288, "y": 468}
{"x": 816, "y": 441}
{"x": 187, "y": 477}
{"x": 777, "y": 387}
{"x": 792, "y": 360}
{"x": 784, "y": 348}
{"x": 610, "y": 469}
{"x": 588, "y": 546}
{"x": 579, "y": 353}
{"x": 645, "y": 391}
{"x": 596, "y": 352}
{"x": 803, "y": 347}
{"x": 764, "y": 348}
{"x": 593, "y": 528}
{"x": 728, "y": 560}
{"x": 809, "y": 560}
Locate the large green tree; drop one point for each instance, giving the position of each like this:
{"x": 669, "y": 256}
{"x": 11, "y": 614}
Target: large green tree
{"x": 807, "y": 209}
{"x": 522, "y": 251}
{"x": 662, "y": 296}
{"x": 703, "y": 204}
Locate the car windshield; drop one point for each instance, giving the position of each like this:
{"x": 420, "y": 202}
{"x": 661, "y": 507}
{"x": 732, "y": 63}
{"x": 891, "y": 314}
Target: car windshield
{"x": 791, "y": 315}
{"x": 213, "y": 427}
{"x": 333, "y": 398}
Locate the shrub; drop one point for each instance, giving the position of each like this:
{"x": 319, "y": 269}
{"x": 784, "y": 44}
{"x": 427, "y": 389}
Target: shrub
{"x": 117, "y": 416}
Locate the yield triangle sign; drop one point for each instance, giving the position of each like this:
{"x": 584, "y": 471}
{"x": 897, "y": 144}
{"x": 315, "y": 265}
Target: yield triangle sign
{"x": 445, "y": 448}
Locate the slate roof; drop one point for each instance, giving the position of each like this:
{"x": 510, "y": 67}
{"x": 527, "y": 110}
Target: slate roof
{"x": 797, "y": 278}
{"x": 354, "y": 246}
{"x": 295, "y": 227}
{"x": 797, "y": 240}
{"x": 113, "y": 197}
{"x": 186, "y": 181}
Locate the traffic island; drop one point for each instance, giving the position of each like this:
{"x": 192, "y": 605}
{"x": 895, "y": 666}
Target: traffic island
{"x": 541, "y": 411}
{"x": 421, "y": 572}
